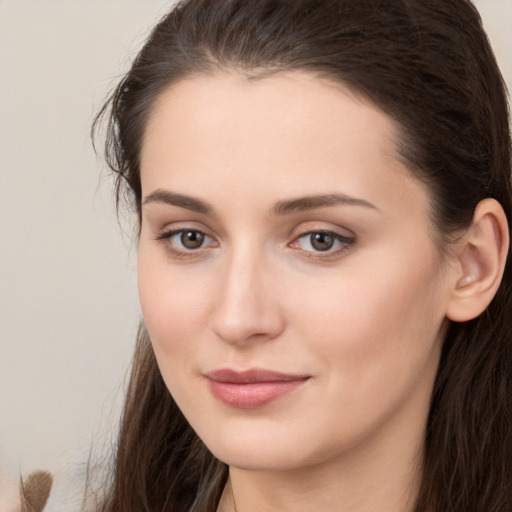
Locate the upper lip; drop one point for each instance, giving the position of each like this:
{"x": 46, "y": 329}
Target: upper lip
{"x": 252, "y": 375}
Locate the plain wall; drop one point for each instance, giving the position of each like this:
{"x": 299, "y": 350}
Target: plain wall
{"x": 68, "y": 302}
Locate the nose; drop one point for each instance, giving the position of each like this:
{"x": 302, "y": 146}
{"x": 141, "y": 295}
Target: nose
{"x": 247, "y": 307}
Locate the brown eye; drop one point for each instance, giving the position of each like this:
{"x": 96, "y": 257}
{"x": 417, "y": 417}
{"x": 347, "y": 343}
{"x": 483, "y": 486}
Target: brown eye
{"x": 322, "y": 241}
{"x": 192, "y": 239}
{"x": 328, "y": 242}
{"x": 186, "y": 242}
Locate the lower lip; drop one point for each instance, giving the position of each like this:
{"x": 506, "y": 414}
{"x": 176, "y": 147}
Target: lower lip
{"x": 252, "y": 395}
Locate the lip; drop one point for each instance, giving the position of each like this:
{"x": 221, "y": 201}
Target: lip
{"x": 251, "y": 389}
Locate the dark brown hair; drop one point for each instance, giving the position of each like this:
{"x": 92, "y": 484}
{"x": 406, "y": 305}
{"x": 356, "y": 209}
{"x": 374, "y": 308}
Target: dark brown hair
{"x": 429, "y": 66}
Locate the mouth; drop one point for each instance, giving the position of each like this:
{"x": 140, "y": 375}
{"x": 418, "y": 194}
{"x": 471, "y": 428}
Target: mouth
{"x": 251, "y": 389}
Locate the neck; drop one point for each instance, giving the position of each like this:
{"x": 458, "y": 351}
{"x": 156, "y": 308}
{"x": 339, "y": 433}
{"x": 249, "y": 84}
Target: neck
{"x": 270, "y": 492}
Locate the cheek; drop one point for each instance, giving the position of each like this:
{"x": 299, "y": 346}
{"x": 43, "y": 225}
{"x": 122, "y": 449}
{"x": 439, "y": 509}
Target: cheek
{"x": 174, "y": 305}
{"x": 377, "y": 328}
{"x": 175, "y": 314}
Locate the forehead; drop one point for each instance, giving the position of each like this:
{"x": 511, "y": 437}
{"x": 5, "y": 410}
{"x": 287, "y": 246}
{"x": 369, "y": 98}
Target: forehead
{"x": 297, "y": 105}
{"x": 279, "y": 135}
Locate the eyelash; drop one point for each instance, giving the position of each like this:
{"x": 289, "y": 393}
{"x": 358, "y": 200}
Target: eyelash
{"x": 344, "y": 243}
{"x": 184, "y": 252}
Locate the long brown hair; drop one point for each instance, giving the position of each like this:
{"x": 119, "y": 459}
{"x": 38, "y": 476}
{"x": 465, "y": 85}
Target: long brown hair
{"x": 428, "y": 65}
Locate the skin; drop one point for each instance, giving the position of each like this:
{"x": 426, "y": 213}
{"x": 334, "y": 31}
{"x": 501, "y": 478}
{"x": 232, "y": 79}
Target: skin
{"x": 364, "y": 320}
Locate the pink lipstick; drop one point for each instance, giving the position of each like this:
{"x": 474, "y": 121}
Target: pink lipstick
{"x": 251, "y": 389}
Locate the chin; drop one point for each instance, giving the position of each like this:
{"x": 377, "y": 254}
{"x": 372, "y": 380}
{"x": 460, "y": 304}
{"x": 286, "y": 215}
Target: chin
{"x": 259, "y": 451}
{"x": 256, "y": 459}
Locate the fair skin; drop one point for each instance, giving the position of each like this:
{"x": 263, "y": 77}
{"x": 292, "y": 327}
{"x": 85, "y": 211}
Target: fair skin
{"x": 346, "y": 293}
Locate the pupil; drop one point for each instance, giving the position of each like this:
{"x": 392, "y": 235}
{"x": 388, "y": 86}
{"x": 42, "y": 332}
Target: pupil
{"x": 192, "y": 239}
{"x": 322, "y": 241}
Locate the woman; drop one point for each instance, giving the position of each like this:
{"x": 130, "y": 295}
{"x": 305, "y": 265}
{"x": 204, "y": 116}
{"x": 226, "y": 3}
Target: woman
{"x": 324, "y": 199}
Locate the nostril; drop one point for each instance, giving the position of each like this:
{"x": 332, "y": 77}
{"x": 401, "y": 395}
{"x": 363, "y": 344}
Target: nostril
{"x": 247, "y": 323}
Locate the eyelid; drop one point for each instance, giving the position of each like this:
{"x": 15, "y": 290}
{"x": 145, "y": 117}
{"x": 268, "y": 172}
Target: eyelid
{"x": 347, "y": 241}
{"x": 334, "y": 234}
{"x": 163, "y": 231}
{"x": 165, "y": 236}
{"x": 344, "y": 238}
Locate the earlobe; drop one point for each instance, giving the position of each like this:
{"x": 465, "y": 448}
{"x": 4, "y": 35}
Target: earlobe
{"x": 481, "y": 259}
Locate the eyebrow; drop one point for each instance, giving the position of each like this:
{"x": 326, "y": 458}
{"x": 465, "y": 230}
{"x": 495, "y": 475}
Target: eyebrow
{"x": 318, "y": 201}
{"x": 286, "y": 207}
{"x": 181, "y": 200}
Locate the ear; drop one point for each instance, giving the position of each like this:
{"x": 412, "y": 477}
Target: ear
{"x": 480, "y": 262}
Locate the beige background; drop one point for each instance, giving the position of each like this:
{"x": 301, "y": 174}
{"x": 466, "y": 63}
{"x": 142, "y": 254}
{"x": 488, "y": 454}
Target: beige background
{"x": 68, "y": 303}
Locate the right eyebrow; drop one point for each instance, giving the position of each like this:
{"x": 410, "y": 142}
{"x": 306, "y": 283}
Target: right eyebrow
{"x": 180, "y": 200}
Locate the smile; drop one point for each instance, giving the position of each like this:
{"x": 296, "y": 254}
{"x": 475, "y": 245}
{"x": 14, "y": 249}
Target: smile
{"x": 251, "y": 389}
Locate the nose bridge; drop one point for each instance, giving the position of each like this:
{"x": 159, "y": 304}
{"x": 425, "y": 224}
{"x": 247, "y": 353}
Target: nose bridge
{"x": 246, "y": 305}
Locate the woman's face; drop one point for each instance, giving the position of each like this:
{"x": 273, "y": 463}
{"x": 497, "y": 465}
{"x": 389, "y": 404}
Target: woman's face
{"x": 288, "y": 273}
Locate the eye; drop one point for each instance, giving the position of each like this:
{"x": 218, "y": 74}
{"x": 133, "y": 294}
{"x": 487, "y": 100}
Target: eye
{"x": 323, "y": 241}
{"x": 190, "y": 239}
{"x": 182, "y": 241}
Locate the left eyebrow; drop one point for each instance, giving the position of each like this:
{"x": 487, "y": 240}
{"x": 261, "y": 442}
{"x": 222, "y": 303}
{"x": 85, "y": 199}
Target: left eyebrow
{"x": 306, "y": 203}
